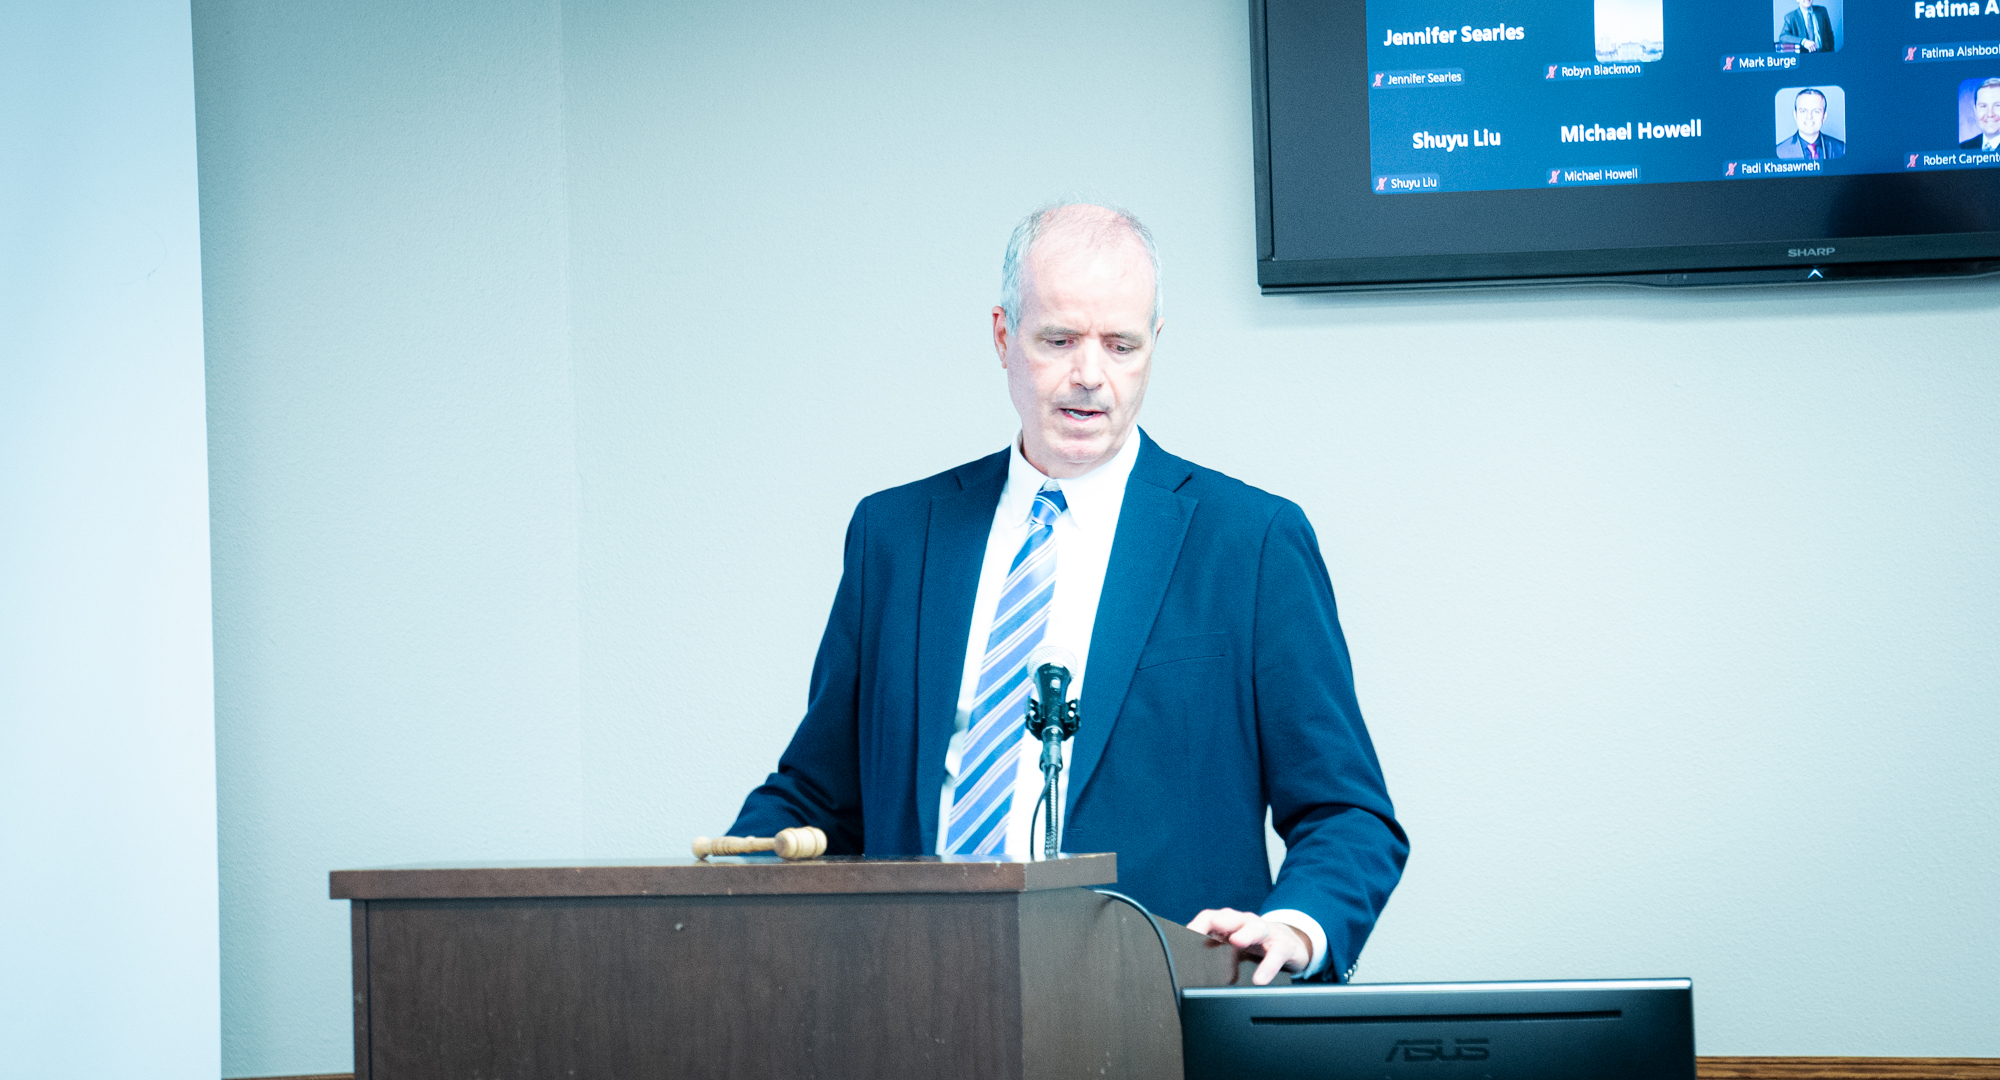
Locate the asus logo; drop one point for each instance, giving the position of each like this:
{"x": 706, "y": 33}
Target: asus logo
{"x": 1808, "y": 253}
{"x": 1434, "y": 1050}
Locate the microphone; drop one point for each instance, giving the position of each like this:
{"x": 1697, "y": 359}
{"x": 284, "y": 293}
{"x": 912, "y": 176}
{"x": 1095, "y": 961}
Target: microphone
{"x": 1052, "y": 717}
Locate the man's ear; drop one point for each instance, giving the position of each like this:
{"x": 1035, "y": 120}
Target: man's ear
{"x": 1000, "y": 334}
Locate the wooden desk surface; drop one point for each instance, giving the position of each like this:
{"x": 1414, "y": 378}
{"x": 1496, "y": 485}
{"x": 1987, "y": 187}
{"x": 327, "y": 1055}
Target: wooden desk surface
{"x": 1846, "y": 1068}
{"x": 753, "y": 875}
{"x": 1752, "y": 1068}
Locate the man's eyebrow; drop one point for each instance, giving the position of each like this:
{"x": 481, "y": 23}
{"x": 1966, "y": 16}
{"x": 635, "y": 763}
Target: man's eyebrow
{"x": 1132, "y": 336}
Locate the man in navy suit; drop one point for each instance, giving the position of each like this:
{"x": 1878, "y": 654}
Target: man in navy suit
{"x": 1809, "y": 142}
{"x": 1214, "y": 680}
{"x": 1809, "y": 28}
{"x": 1986, "y": 115}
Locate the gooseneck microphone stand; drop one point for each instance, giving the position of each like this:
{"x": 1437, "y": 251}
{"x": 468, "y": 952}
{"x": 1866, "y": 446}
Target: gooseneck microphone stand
{"x": 1052, "y": 718}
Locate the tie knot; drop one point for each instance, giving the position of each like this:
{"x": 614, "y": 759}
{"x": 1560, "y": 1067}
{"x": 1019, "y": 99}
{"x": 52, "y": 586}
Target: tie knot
{"x": 1049, "y": 504}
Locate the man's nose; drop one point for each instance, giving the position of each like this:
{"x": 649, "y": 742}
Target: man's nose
{"x": 1088, "y": 371}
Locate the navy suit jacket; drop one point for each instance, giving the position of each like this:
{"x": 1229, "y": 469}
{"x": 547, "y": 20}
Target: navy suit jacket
{"x": 1795, "y": 29}
{"x": 1218, "y": 684}
{"x": 1795, "y": 147}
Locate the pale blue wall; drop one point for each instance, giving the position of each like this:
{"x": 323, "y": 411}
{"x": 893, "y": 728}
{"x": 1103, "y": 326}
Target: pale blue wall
{"x": 394, "y": 475}
{"x": 108, "y": 963}
{"x": 550, "y": 348}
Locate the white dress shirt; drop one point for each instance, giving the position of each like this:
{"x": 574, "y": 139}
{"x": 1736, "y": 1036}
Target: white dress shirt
{"x": 1082, "y": 536}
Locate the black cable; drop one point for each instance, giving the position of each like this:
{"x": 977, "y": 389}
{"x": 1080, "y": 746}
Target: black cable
{"x": 1172, "y": 976}
{"x": 1040, "y": 801}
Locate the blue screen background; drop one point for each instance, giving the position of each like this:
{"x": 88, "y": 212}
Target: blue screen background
{"x": 1899, "y": 111}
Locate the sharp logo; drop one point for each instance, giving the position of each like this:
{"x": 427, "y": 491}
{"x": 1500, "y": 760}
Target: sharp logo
{"x": 1807, "y": 253}
{"x": 1436, "y": 1050}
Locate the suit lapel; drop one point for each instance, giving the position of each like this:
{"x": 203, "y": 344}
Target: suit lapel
{"x": 954, "y": 546}
{"x": 1151, "y": 526}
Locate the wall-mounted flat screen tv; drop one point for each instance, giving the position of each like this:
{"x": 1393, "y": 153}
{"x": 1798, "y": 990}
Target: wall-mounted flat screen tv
{"x": 1419, "y": 143}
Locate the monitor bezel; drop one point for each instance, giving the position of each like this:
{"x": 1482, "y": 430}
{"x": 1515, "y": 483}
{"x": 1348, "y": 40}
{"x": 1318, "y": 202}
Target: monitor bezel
{"x": 1802, "y": 259}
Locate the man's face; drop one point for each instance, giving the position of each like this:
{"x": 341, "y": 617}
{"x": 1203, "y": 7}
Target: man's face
{"x": 1810, "y": 111}
{"x": 1078, "y": 361}
{"x": 1986, "y": 110}
{"x": 1805, "y": 7}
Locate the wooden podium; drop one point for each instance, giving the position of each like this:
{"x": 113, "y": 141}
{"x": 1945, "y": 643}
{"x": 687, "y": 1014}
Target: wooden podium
{"x": 841, "y": 967}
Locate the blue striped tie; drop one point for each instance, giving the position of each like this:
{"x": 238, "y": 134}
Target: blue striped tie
{"x": 985, "y": 790}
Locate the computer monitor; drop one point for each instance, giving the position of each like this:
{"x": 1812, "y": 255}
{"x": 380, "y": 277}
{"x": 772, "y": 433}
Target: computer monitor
{"x": 1631, "y": 1029}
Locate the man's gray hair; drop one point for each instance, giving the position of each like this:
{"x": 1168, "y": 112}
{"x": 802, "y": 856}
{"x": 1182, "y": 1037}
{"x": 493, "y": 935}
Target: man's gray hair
{"x": 1052, "y": 216}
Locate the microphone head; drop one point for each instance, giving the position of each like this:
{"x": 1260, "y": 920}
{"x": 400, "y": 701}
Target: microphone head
{"x": 1051, "y": 654}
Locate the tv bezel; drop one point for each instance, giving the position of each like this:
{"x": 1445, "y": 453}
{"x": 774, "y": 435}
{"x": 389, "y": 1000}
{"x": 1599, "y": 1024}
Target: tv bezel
{"x": 1802, "y": 259}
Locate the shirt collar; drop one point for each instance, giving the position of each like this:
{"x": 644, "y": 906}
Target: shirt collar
{"x": 1093, "y": 498}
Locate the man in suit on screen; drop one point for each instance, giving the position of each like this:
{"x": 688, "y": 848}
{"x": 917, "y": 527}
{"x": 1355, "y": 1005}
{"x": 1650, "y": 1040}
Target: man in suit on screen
{"x": 1809, "y": 142}
{"x": 1809, "y": 28}
{"x": 1986, "y": 115}
{"x": 1214, "y": 679}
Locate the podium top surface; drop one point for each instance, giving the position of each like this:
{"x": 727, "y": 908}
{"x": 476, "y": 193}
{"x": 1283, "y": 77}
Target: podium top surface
{"x": 755, "y": 875}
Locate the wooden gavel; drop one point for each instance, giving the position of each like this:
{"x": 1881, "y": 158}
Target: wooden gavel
{"x": 805, "y": 842}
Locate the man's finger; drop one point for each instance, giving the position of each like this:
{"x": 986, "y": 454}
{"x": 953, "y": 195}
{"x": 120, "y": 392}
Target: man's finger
{"x": 1218, "y": 923}
{"x": 1297, "y": 944}
{"x": 1274, "y": 959}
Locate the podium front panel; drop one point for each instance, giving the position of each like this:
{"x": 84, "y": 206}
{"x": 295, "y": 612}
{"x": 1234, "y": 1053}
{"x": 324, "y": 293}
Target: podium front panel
{"x": 987, "y": 968}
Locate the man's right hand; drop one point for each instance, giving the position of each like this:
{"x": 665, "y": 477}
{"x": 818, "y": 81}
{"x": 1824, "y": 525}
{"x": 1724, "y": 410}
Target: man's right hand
{"x": 1274, "y": 943}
